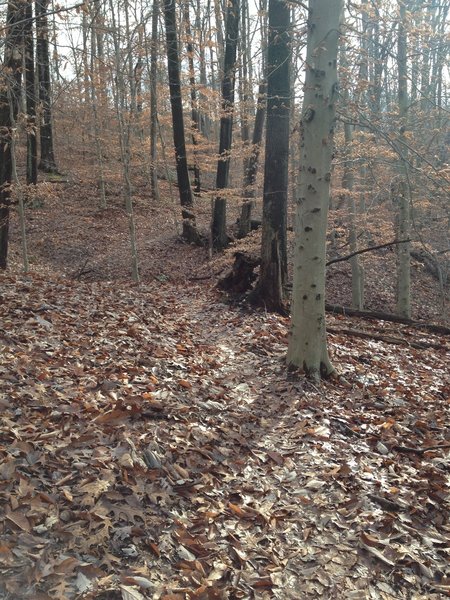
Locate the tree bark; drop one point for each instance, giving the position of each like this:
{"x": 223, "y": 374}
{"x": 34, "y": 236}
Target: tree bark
{"x": 273, "y": 272}
{"x": 47, "y": 162}
{"x": 195, "y": 117}
{"x": 403, "y": 216}
{"x": 307, "y": 349}
{"x": 348, "y": 180}
{"x": 30, "y": 89}
{"x": 219, "y": 221}
{"x": 154, "y": 103}
{"x": 94, "y": 80}
{"x": 251, "y": 166}
{"x": 119, "y": 93}
{"x": 245, "y": 88}
{"x": 190, "y": 233}
{"x": 10, "y": 83}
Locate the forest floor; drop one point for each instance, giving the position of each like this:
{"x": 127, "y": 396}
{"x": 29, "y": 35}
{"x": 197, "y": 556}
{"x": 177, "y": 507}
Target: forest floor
{"x": 154, "y": 446}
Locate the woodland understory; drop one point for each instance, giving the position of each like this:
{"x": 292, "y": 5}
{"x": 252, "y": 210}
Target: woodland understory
{"x": 154, "y": 445}
{"x": 192, "y": 196}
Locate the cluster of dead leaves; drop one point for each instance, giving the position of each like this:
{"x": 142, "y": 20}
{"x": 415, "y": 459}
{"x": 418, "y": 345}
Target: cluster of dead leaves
{"x": 153, "y": 446}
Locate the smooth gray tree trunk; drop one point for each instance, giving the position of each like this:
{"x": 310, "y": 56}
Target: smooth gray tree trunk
{"x": 307, "y": 349}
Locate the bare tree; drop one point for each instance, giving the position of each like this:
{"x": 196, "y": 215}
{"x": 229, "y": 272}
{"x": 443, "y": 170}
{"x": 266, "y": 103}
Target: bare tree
{"x": 154, "y": 102}
{"x": 273, "y": 271}
{"x": 30, "y": 89}
{"x": 47, "y": 162}
{"x": 195, "y": 116}
{"x": 219, "y": 222}
{"x": 190, "y": 233}
{"x": 251, "y": 165}
{"x": 307, "y": 345}
{"x": 402, "y": 188}
{"x": 10, "y": 86}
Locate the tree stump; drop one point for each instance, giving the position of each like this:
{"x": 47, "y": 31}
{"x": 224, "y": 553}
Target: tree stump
{"x": 242, "y": 275}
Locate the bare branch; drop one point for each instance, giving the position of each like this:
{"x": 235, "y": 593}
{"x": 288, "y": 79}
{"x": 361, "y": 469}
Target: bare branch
{"x": 369, "y": 249}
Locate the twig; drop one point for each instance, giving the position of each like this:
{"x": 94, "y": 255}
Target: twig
{"x": 345, "y": 428}
{"x": 387, "y": 504}
{"x": 410, "y": 450}
{"x": 82, "y": 270}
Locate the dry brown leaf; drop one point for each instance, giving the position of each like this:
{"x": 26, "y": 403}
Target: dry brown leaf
{"x": 129, "y": 593}
{"x": 19, "y": 519}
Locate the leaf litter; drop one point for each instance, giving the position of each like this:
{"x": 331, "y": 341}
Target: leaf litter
{"x": 153, "y": 446}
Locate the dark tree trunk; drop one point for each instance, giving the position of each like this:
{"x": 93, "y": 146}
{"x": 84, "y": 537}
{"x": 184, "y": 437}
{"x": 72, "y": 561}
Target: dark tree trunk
{"x": 273, "y": 273}
{"x": 219, "y": 235}
{"x": 138, "y": 67}
{"x": 47, "y": 162}
{"x": 190, "y": 233}
{"x": 30, "y": 95}
{"x": 252, "y": 163}
{"x": 10, "y": 84}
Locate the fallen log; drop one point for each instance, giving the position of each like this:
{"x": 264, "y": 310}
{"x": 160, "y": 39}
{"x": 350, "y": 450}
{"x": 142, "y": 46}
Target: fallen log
{"x": 369, "y": 314}
{"x": 388, "y": 339}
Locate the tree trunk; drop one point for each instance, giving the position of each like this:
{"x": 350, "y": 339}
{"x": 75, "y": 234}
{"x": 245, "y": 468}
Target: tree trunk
{"x": 273, "y": 271}
{"x": 251, "y": 170}
{"x": 403, "y": 217}
{"x": 154, "y": 103}
{"x": 190, "y": 233}
{"x": 251, "y": 166}
{"x": 348, "y": 181}
{"x": 348, "y": 185}
{"x": 119, "y": 93}
{"x": 195, "y": 117}
{"x": 30, "y": 89}
{"x": 47, "y": 162}
{"x": 94, "y": 80}
{"x": 10, "y": 84}
{"x": 200, "y": 26}
{"x": 245, "y": 89}
{"x": 220, "y": 50}
{"x": 218, "y": 233}
{"x": 307, "y": 344}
